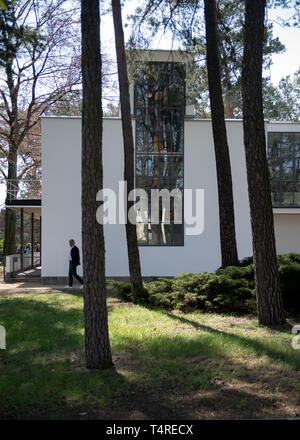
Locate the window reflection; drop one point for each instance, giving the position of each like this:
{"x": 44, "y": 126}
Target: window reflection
{"x": 159, "y": 110}
{"x": 284, "y": 168}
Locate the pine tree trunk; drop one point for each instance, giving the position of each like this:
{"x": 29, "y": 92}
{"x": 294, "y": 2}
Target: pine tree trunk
{"x": 269, "y": 301}
{"x": 97, "y": 346}
{"x": 129, "y": 170}
{"x": 226, "y": 206}
{"x": 9, "y": 245}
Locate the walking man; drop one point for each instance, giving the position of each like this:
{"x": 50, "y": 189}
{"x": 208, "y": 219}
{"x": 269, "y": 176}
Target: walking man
{"x": 74, "y": 261}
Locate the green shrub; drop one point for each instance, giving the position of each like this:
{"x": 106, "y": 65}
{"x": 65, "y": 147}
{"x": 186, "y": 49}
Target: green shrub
{"x": 161, "y": 299}
{"x": 290, "y": 286}
{"x": 160, "y": 285}
{"x": 143, "y": 296}
{"x": 229, "y": 290}
{"x": 1, "y": 249}
{"x": 122, "y": 289}
{"x": 187, "y": 292}
{"x": 246, "y": 261}
{"x": 237, "y": 272}
{"x": 289, "y": 272}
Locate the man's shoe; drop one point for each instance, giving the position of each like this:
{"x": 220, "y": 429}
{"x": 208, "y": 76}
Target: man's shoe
{"x": 68, "y": 287}
{"x": 81, "y": 287}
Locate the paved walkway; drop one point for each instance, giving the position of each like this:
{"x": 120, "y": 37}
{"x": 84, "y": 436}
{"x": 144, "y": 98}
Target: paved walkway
{"x": 30, "y": 286}
{"x": 30, "y": 273}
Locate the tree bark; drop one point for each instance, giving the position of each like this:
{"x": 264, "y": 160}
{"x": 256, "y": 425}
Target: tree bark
{"x": 225, "y": 193}
{"x": 9, "y": 245}
{"x": 129, "y": 167}
{"x": 269, "y": 301}
{"x": 97, "y": 345}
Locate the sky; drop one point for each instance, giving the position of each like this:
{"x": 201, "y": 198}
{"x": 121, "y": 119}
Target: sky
{"x": 283, "y": 64}
{"x": 288, "y": 62}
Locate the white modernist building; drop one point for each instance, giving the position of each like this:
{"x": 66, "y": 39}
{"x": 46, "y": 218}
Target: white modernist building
{"x": 173, "y": 150}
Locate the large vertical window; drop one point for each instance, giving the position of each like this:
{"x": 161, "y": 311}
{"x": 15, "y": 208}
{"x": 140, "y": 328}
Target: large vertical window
{"x": 284, "y": 167}
{"x": 159, "y": 110}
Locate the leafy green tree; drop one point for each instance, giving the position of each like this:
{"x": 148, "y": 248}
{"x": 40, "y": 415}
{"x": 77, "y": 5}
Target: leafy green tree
{"x": 281, "y": 102}
{"x": 184, "y": 20}
{"x": 293, "y": 8}
{"x": 289, "y": 104}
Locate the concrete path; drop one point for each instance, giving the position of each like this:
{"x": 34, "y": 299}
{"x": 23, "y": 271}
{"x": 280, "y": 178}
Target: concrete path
{"x": 30, "y": 273}
{"x": 30, "y": 286}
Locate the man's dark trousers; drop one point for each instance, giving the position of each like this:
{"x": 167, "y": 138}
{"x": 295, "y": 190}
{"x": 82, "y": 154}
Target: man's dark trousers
{"x": 73, "y": 273}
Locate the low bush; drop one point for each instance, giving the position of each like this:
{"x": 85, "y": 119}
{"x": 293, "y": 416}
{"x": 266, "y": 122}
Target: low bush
{"x": 1, "y": 250}
{"x": 122, "y": 289}
{"x": 290, "y": 285}
{"x": 229, "y": 290}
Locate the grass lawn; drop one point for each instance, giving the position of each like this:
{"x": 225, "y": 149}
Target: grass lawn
{"x": 167, "y": 365}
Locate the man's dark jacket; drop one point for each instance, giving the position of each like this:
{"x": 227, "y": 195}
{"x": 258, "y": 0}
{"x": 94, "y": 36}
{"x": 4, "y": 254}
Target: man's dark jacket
{"x": 75, "y": 256}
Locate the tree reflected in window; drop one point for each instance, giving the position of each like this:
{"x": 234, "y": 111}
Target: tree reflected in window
{"x": 284, "y": 167}
{"x": 159, "y": 111}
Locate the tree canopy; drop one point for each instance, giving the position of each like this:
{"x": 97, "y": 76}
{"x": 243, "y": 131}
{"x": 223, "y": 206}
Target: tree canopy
{"x": 183, "y": 21}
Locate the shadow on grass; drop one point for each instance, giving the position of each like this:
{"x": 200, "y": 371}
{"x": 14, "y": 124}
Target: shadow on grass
{"x": 260, "y": 348}
{"x": 76, "y": 291}
{"x": 43, "y": 372}
{"x": 43, "y": 369}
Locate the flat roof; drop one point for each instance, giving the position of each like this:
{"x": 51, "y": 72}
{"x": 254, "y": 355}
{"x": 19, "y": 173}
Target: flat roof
{"x": 187, "y": 118}
{"x": 20, "y": 203}
{"x": 74, "y": 117}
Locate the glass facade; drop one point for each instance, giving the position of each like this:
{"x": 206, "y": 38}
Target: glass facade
{"x": 284, "y": 167}
{"x": 159, "y": 111}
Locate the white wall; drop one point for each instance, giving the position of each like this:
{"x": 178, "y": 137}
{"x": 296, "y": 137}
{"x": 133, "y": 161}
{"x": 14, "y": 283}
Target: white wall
{"x": 287, "y": 233}
{"x": 61, "y": 212}
{"x": 61, "y": 204}
{"x": 61, "y": 192}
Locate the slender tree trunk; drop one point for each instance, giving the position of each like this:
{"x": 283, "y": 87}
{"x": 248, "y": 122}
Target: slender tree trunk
{"x": 97, "y": 346}
{"x": 269, "y": 301}
{"x": 9, "y": 246}
{"x": 229, "y": 108}
{"x": 226, "y": 205}
{"x": 129, "y": 170}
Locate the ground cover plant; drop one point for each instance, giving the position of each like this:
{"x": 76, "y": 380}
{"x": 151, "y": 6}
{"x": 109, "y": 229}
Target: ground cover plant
{"x": 229, "y": 290}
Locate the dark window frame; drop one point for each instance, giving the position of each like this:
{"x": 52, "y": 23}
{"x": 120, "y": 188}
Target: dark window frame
{"x": 282, "y": 180}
